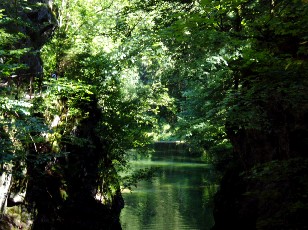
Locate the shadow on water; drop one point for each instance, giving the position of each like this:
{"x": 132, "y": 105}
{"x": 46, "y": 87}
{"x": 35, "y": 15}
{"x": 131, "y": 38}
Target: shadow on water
{"x": 179, "y": 196}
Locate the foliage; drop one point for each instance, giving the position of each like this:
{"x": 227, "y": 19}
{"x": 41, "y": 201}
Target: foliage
{"x": 204, "y": 68}
{"x": 141, "y": 174}
{"x": 10, "y": 53}
{"x": 283, "y": 208}
{"x": 20, "y": 129}
{"x": 229, "y": 59}
{"x": 122, "y": 74}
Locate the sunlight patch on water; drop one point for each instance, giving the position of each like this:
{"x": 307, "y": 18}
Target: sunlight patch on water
{"x": 170, "y": 163}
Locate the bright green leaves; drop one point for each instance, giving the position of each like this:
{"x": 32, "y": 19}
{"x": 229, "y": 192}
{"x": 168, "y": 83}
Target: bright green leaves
{"x": 71, "y": 96}
{"x": 130, "y": 113}
{"x": 19, "y": 131}
{"x": 9, "y": 54}
{"x": 219, "y": 60}
{"x": 227, "y": 57}
{"x": 107, "y": 46}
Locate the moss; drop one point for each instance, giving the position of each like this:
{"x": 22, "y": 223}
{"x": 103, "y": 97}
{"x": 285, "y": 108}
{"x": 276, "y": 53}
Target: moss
{"x": 16, "y": 217}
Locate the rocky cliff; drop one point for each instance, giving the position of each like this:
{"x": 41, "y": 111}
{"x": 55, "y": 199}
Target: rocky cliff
{"x": 60, "y": 191}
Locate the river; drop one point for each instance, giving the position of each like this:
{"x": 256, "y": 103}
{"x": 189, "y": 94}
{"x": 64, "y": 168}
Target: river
{"x": 179, "y": 196}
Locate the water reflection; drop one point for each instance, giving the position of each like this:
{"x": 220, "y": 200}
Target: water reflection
{"x": 179, "y": 197}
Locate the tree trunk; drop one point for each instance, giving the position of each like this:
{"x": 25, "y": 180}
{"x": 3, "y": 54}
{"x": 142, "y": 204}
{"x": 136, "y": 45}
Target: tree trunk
{"x": 5, "y": 184}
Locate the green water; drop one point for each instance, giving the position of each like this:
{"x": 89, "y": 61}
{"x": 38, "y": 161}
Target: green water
{"x": 179, "y": 196}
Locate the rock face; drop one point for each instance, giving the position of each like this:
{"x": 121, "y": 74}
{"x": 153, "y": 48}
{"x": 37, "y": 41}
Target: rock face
{"x": 270, "y": 196}
{"x": 64, "y": 195}
{"x": 265, "y": 185}
{"x": 37, "y": 24}
{"x": 33, "y": 24}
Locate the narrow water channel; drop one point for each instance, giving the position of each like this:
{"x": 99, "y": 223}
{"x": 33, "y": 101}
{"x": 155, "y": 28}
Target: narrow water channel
{"x": 179, "y": 196}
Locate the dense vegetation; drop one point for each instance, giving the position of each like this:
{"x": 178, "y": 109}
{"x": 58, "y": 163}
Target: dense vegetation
{"x": 83, "y": 82}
